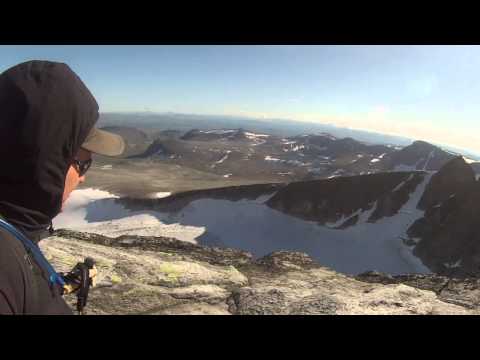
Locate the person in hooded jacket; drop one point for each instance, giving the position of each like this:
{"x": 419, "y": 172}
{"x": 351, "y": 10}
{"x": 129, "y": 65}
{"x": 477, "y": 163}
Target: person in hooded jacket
{"x": 47, "y": 137}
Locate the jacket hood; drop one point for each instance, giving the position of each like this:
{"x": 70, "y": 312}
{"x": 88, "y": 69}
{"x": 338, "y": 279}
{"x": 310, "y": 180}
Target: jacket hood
{"x": 46, "y": 112}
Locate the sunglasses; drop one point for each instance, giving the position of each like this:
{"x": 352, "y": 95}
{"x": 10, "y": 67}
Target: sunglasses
{"x": 82, "y": 166}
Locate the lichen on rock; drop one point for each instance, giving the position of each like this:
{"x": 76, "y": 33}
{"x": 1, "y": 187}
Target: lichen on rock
{"x": 166, "y": 276}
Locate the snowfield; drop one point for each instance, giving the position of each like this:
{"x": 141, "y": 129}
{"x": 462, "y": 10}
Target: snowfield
{"x": 160, "y": 195}
{"x": 269, "y": 158}
{"x": 403, "y": 183}
{"x": 217, "y": 131}
{"x": 252, "y": 226}
{"x": 225, "y": 157}
{"x": 469, "y": 161}
{"x": 253, "y": 136}
{"x": 96, "y": 211}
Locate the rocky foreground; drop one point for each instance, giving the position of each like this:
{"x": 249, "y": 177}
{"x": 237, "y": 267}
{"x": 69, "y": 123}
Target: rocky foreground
{"x": 155, "y": 275}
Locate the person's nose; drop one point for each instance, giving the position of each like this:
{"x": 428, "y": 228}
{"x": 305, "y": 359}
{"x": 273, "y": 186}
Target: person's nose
{"x": 81, "y": 179}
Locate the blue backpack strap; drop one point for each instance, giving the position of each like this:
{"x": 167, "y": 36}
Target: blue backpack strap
{"x": 32, "y": 248}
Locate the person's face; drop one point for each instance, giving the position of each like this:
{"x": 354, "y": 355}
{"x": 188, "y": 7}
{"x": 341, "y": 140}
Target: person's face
{"x": 73, "y": 178}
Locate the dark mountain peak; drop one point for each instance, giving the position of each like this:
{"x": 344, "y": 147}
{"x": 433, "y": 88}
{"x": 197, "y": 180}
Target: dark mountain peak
{"x": 420, "y": 155}
{"x": 420, "y": 144}
{"x": 455, "y": 171}
{"x": 420, "y": 148}
{"x": 457, "y": 166}
{"x": 455, "y": 176}
{"x": 327, "y": 135}
{"x": 156, "y": 149}
{"x": 238, "y": 134}
{"x": 327, "y": 201}
{"x": 449, "y": 232}
{"x": 348, "y": 140}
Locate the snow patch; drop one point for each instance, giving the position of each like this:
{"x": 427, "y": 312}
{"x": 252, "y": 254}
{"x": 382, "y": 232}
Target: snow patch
{"x": 225, "y": 157}
{"x": 298, "y": 147}
{"x": 269, "y": 158}
{"x": 161, "y": 195}
{"x": 363, "y": 216}
{"x": 430, "y": 156}
{"x": 453, "y": 265}
{"x": 415, "y": 240}
{"x": 336, "y": 173}
{"x": 296, "y": 163}
{"x": 254, "y": 136}
{"x": 217, "y": 131}
{"x": 469, "y": 161}
{"x": 410, "y": 177}
{"x": 96, "y": 211}
{"x": 259, "y": 139}
{"x": 327, "y": 135}
{"x": 290, "y": 162}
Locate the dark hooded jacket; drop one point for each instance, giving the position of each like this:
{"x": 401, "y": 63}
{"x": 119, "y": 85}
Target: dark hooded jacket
{"x": 46, "y": 113}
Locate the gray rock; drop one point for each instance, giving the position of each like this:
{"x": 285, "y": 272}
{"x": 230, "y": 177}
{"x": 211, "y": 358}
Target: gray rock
{"x": 166, "y": 276}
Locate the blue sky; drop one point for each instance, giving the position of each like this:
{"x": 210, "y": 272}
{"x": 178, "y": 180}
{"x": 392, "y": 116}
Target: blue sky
{"x": 424, "y": 92}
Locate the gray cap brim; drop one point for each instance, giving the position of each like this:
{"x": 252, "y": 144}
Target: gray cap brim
{"x": 104, "y": 143}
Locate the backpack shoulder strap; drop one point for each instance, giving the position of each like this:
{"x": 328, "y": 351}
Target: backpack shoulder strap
{"x": 32, "y": 248}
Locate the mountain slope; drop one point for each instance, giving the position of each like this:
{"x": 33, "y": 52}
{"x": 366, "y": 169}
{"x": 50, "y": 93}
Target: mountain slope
{"x": 329, "y": 201}
{"x": 420, "y": 155}
{"x": 447, "y": 237}
{"x": 147, "y": 275}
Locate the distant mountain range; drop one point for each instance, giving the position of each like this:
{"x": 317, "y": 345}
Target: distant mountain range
{"x": 279, "y": 127}
{"x": 247, "y": 154}
{"x": 150, "y": 121}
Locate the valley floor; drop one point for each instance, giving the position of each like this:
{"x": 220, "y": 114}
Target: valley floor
{"x": 140, "y": 179}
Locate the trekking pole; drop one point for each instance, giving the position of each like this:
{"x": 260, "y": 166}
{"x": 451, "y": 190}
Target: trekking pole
{"x": 79, "y": 280}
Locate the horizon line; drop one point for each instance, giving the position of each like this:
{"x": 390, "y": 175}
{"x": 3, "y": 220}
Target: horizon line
{"x": 271, "y": 119}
